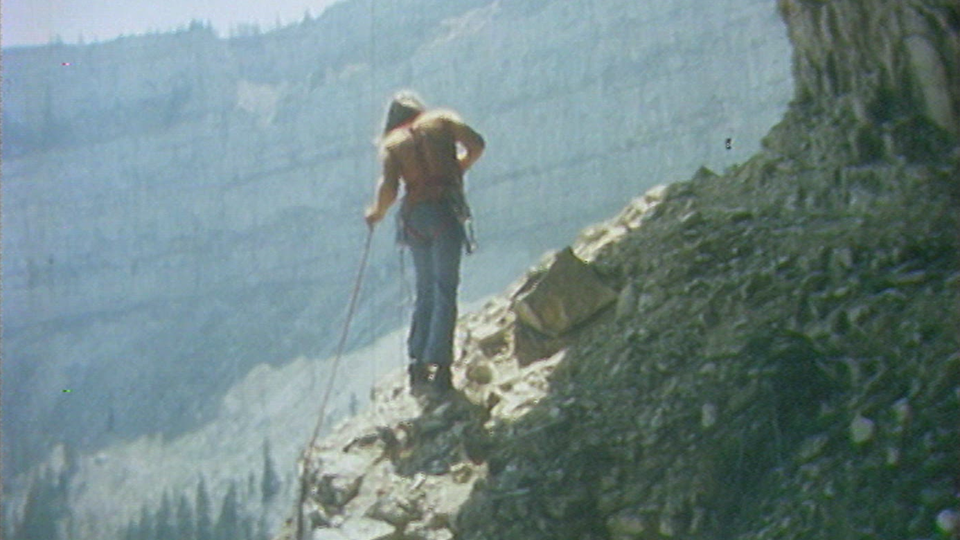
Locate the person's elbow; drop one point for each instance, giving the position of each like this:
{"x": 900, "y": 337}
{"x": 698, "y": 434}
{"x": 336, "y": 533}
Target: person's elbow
{"x": 476, "y": 148}
{"x": 481, "y": 144}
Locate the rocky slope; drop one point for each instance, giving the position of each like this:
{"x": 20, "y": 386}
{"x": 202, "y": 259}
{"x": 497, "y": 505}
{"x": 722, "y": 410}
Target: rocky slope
{"x": 781, "y": 362}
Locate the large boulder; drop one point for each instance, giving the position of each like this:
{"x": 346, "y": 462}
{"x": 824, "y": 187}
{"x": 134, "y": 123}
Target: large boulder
{"x": 567, "y": 294}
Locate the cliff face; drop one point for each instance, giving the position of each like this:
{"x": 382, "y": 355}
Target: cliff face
{"x": 782, "y": 361}
{"x": 180, "y": 208}
{"x": 884, "y": 63}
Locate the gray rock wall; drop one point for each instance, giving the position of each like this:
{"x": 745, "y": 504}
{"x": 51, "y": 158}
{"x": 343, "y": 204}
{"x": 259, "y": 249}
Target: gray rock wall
{"x": 179, "y": 208}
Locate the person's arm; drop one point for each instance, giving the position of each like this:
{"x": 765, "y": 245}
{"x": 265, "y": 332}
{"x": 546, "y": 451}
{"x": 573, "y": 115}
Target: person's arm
{"x": 471, "y": 141}
{"x": 387, "y": 188}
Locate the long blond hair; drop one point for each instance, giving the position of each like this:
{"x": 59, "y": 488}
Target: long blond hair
{"x": 404, "y": 106}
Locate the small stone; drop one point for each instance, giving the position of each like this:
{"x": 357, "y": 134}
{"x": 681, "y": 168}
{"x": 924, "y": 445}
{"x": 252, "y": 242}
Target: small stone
{"x": 432, "y": 424}
{"x": 316, "y": 516}
{"x": 480, "y": 373}
{"x": 893, "y": 456}
{"x": 740, "y": 214}
{"x": 327, "y": 534}
{"x": 646, "y": 302}
{"x": 428, "y": 533}
{"x": 667, "y": 526}
{"x": 625, "y": 525}
{"x": 336, "y": 491}
{"x": 708, "y": 415}
{"x": 813, "y": 447}
{"x": 948, "y": 521}
{"x": 491, "y": 338}
{"x": 695, "y": 523}
{"x": 861, "y": 429}
{"x": 462, "y": 473}
{"x": 902, "y": 410}
{"x": 691, "y": 218}
{"x": 394, "y": 511}
{"x": 843, "y": 258}
{"x": 927, "y": 69}
{"x": 708, "y": 369}
{"x": 493, "y": 399}
{"x": 910, "y": 278}
{"x": 437, "y": 467}
{"x": 367, "y": 529}
{"x": 656, "y": 193}
{"x": 933, "y": 497}
{"x": 829, "y": 491}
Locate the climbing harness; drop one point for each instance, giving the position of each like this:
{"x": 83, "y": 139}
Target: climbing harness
{"x": 331, "y": 380}
{"x": 451, "y": 190}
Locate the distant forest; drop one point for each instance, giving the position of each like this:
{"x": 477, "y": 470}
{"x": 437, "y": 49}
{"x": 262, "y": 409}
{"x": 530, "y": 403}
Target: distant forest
{"x": 46, "y": 514}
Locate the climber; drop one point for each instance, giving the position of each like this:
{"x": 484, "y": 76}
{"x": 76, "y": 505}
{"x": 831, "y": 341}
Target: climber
{"x": 422, "y": 147}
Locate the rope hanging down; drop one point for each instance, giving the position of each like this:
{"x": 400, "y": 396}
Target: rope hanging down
{"x": 405, "y": 303}
{"x": 353, "y": 302}
{"x": 332, "y": 379}
{"x": 343, "y": 336}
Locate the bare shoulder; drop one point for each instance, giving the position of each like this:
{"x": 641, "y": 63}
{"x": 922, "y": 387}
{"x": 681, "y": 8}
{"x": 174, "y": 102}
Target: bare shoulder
{"x": 392, "y": 140}
{"x": 443, "y": 116}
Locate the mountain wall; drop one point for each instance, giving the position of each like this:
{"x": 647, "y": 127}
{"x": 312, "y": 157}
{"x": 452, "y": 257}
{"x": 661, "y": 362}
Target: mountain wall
{"x": 178, "y": 208}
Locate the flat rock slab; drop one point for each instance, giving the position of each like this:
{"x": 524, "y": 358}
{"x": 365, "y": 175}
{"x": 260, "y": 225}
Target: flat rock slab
{"x": 357, "y": 529}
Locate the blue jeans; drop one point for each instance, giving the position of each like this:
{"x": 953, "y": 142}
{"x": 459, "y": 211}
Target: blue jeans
{"x": 436, "y": 238}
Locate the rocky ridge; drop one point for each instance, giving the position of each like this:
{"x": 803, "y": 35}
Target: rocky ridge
{"x": 408, "y": 465}
{"x": 781, "y": 360}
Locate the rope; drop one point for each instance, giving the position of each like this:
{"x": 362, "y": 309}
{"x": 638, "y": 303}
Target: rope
{"x": 332, "y": 379}
{"x": 404, "y": 303}
{"x": 350, "y": 311}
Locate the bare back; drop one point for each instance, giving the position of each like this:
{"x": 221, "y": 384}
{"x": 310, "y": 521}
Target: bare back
{"x": 424, "y": 154}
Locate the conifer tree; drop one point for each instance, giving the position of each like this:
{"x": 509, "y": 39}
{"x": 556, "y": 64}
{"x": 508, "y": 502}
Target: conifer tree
{"x": 133, "y": 530}
{"x": 146, "y": 527}
{"x": 262, "y": 533}
{"x": 247, "y": 530}
{"x": 186, "y": 524}
{"x": 71, "y": 460}
{"x": 204, "y": 520}
{"x": 270, "y": 482}
{"x": 164, "y": 528}
{"x": 228, "y": 524}
{"x": 128, "y": 532}
{"x": 42, "y": 511}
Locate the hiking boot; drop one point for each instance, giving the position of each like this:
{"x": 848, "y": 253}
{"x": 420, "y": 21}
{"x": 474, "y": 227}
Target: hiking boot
{"x": 419, "y": 378}
{"x": 442, "y": 381}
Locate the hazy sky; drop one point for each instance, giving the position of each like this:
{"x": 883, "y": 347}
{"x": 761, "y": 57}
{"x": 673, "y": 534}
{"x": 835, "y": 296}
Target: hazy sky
{"x": 35, "y": 22}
